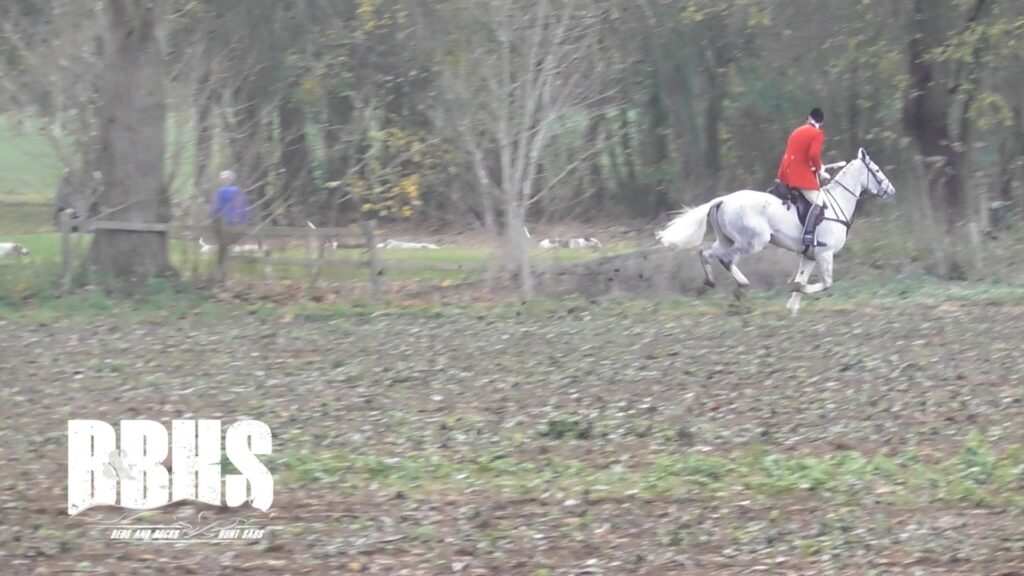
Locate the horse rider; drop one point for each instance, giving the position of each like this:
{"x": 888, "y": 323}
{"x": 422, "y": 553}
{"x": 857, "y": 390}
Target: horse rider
{"x": 800, "y": 169}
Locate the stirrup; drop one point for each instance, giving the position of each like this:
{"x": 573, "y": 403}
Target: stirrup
{"x": 811, "y": 241}
{"x": 808, "y": 248}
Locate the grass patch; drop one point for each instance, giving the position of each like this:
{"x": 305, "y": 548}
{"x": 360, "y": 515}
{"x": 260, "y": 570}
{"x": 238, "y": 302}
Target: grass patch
{"x": 22, "y": 218}
{"x": 918, "y": 288}
{"x": 29, "y": 167}
{"x": 977, "y": 476}
{"x": 158, "y": 299}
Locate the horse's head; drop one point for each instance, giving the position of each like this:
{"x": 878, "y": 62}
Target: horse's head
{"x": 877, "y": 183}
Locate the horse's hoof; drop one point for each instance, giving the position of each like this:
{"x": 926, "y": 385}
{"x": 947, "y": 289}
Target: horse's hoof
{"x": 709, "y": 283}
{"x": 739, "y": 292}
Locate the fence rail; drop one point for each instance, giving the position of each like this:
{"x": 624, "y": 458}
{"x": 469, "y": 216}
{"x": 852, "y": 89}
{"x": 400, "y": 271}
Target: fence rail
{"x": 268, "y": 231}
{"x": 364, "y": 241}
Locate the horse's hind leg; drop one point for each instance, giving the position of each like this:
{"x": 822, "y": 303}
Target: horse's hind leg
{"x": 734, "y": 270}
{"x": 750, "y": 245}
{"x": 723, "y": 244}
{"x": 737, "y": 239}
{"x": 742, "y": 284}
{"x": 705, "y": 255}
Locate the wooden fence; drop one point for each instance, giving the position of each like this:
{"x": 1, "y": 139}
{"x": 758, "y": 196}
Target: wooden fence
{"x": 318, "y": 240}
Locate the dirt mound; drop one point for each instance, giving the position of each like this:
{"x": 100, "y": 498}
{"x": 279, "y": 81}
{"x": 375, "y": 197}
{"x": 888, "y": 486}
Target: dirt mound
{"x": 659, "y": 271}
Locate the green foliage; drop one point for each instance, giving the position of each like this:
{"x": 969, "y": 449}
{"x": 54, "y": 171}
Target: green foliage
{"x": 977, "y": 462}
{"x": 568, "y": 428}
{"x": 391, "y": 184}
{"x": 979, "y": 475}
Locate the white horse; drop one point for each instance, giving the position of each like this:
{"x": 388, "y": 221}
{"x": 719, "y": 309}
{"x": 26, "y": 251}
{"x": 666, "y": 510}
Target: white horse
{"x": 746, "y": 221}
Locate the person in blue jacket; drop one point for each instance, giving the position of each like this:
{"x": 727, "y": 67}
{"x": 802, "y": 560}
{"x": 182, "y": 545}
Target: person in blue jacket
{"x": 231, "y": 203}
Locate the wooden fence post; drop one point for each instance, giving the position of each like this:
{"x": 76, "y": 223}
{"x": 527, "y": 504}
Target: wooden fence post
{"x": 66, "y": 253}
{"x": 223, "y": 249}
{"x": 370, "y": 236}
{"x": 193, "y": 253}
{"x": 319, "y": 247}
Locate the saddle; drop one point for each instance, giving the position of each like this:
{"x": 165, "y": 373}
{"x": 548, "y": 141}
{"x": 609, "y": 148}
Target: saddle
{"x": 792, "y": 198}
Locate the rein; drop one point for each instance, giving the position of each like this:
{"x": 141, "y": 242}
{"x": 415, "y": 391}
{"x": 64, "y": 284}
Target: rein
{"x": 847, "y": 220}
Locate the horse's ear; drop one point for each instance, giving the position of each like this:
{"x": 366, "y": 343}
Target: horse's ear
{"x": 863, "y": 154}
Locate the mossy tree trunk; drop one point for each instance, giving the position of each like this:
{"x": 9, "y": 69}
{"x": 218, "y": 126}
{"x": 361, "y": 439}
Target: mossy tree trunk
{"x": 132, "y": 141}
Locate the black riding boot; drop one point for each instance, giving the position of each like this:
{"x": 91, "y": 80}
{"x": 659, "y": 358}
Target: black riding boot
{"x": 814, "y": 217}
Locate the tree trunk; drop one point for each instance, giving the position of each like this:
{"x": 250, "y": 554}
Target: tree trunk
{"x": 927, "y": 107}
{"x": 204, "y": 135}
{"x": 1015, "y": 161}
{"x": 247, "y": 144}
{"x": 712, "y": 121}
{"x": 626, "y": 142}
{"x": 658, "y": 154}
{"x": 294, "y": 151}
{"x": 339, "y": 159}
{"x": 132, "y": 151}
{"x": 853, "y": 104}
{"x": 517, "y": 244}
{"x": 255, "y": 55}
{"x": 595, "y": 180}
{"x": 925, "y": 117}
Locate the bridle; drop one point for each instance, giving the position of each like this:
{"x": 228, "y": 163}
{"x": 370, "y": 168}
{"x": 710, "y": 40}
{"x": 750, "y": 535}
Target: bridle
{"x": 847, "y": 220}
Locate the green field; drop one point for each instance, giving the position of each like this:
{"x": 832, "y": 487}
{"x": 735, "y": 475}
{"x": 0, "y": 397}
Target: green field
{"x": 29, "y": 172}
{"x": 29, "y": 169}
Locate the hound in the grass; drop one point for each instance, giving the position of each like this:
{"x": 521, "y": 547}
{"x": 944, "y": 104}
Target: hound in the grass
{"x": 250, "y": 248}
{"x": 387, "y": 244}
{"x": 549, "y": 243}
{"x": 585, "y": 243}
{"x": 12, "y": 249}
{"x": 327, "y": 241}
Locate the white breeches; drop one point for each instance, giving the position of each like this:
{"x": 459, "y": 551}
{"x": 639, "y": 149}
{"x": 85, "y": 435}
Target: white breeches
{"x": 813, "y": 196}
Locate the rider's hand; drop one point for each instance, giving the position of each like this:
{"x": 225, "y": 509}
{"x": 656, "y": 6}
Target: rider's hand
{"x": 825, "y": 176}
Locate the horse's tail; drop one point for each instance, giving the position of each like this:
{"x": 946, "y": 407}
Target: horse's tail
{"x": 687, "y": 230}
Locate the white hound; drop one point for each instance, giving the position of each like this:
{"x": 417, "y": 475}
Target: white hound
{"x": 12, "y": 249}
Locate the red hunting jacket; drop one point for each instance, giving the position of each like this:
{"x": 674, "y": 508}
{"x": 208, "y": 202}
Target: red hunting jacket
{"x": 802, "y": 161}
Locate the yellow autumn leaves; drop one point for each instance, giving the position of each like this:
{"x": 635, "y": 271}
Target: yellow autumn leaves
{"x": 401, "y": 199}
{"x": 392, "y": 182}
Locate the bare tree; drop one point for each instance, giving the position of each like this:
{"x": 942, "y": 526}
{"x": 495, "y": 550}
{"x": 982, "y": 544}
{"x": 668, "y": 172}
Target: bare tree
{"x": 530, "y": 64}
{"x": 52, "y": 73}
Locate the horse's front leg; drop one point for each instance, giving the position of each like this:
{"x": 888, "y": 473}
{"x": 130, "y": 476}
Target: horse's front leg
{"x": 799, "y": 284}
{"x": 824, "y": 272}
